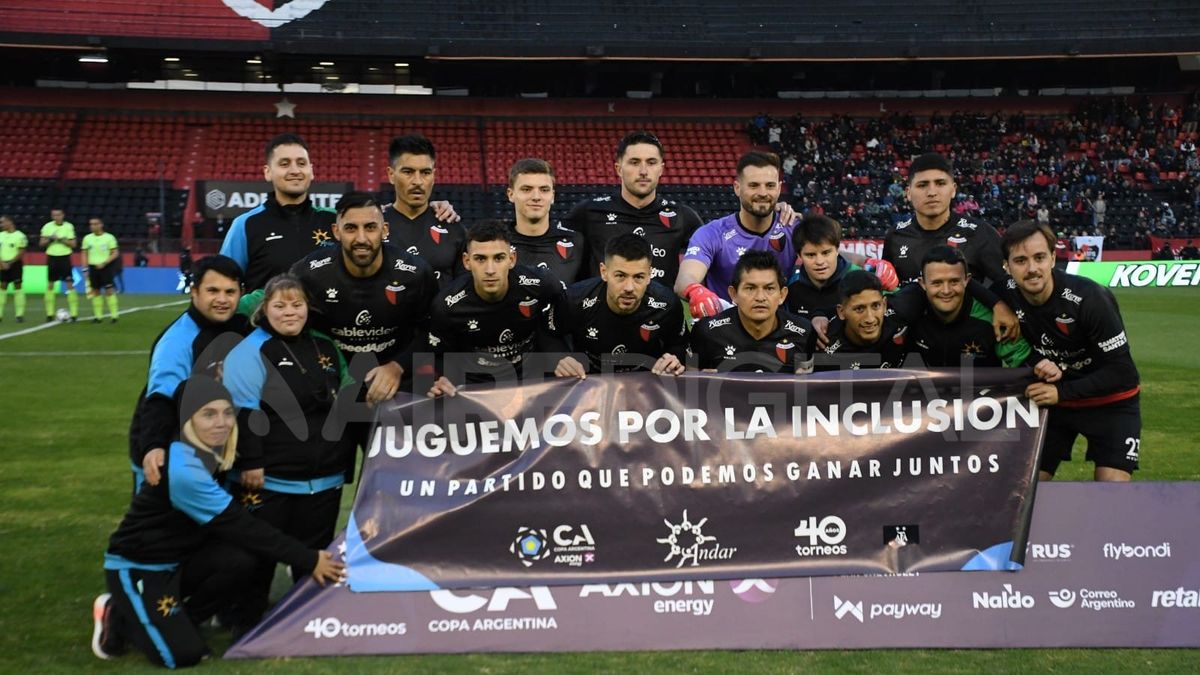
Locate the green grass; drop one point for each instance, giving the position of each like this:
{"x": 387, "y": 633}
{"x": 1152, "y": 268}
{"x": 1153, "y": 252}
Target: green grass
{"x": 64, "y": 484}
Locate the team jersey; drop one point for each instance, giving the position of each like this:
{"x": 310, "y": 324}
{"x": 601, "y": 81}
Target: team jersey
{"x": 722, "y": 242}
{"x": 655, "y": 328}
{"x": 560, "y": 251}
{"x": 500, "y": 334}
{"x": 722, "y": 343}
{"x": 1080, "y": 329}
{"x": 907, "y": 243}
{"x": 967, "y": 339}
{"x": 190, "y": 345}
{"x": 439, "y": 244}
{"x": 269, "y": 239}
{"x": 665, "y": 223}
{"x": 62, "y": 232}
{"x": 808, "y": 300}
{"x": 12, "y": 244}
{"x": 294, "y": 381}
{"x": 384, "y": 314}
{"x": 97, "y": 247}
{"x": 886, "y": 352}
{"x": 168, "y": 522}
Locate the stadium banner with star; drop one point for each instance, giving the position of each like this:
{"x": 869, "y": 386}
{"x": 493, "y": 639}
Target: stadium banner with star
{"x": 229, "y": 199}
{"x": 642, "y": 478}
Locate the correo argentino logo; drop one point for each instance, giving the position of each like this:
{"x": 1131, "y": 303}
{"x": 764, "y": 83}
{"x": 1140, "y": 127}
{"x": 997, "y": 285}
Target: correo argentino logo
{"x": 274, "y": 18}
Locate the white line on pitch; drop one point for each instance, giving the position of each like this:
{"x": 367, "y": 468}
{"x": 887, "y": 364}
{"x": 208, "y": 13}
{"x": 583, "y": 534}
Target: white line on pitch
{"x": 115, "y": 353}
{"x": 44, "y": 326}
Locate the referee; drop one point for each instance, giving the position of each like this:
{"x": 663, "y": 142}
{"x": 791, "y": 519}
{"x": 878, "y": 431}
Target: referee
{"x": 58, "y": 238}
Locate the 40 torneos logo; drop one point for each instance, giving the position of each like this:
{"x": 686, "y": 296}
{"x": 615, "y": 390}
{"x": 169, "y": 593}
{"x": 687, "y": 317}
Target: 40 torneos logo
{"x": 824, "y": 537}
{"x": 333, "y": 627}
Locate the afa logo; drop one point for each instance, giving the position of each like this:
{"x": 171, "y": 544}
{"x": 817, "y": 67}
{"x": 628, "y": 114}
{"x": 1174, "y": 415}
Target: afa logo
{"x": 530, "y": 546}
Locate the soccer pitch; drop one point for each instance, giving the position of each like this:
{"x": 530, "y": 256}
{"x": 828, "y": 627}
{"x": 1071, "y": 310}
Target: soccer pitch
{"x": 68, "y": 391}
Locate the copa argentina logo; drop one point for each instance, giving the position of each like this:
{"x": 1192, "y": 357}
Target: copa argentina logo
{"x": 333, "y": 627}
{"x": 823, "y": 537}
{"x": 569, "y": 545}
{"x": 688, "y": 545}
{"x": 1009, "y": 599}
{"x": 502, "y": 600}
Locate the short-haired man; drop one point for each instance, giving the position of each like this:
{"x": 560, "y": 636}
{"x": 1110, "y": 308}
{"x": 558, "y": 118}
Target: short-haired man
{"x": 813, "y": 288}
{"x": 757, "y": 333}
{"x": 623, "y": 321}
{"x": 99, "y": 252}
{"x": 1076, "y": 322}
{"x": 558, "y": 250}
{"x": 863, "y": 335}
{"x": 931, "y": 190}
{"x": 12, "y": 267}
{"x": 637, "y": 208}
{"x": 415, "y": 224}
{"x": 498, "y": 313}
{"x": 194, "y": 344}
{"x": 955, "y": 327}
{"x": 58, "y": 238}
{"x": 371, "y": 298}
{"x": 706, "y": 273}
{"x": 270, "y": 238}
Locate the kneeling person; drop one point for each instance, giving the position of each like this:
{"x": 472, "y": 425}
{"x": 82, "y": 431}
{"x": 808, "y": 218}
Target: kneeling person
{"x": 757, "y": 333}
{"x": 622, "y": 320}
{"x": 863, "y": 335}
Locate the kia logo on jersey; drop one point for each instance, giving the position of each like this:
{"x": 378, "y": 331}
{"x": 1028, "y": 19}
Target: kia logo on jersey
{"x": 564, "y": 249}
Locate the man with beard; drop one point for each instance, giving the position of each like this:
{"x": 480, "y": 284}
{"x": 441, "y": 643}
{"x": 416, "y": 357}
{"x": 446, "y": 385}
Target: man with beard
{"x": 270, "y": 238}
{"x": 496, "y": 315}
{"x": 622, "y": 320}
{"x": 931, "y": 190}
{"x": 557, "y": 250}
{"x": 757, "y": 333}
{"x": 370, "y": 297}
{"x": 862, "y": 335}
{"x": 1076, "y": 322}
{"x": 637, "y": 208}
{"x": 417, "y": 225}
{"x": 706, "y": 273}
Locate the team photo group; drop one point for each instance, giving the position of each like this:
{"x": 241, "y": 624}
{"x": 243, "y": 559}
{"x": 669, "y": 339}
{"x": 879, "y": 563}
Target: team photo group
{"x": 259, "y": 396}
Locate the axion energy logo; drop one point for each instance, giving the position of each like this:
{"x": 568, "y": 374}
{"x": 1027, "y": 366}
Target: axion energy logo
{"x": 1157, "y": 274}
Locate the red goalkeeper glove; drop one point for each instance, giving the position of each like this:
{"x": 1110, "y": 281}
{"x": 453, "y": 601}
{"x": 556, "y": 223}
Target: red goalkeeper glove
{"x": 702, "y": 302}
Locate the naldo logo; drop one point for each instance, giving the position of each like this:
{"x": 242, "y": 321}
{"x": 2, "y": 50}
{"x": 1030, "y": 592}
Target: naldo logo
{"x": 1009, "y": 599}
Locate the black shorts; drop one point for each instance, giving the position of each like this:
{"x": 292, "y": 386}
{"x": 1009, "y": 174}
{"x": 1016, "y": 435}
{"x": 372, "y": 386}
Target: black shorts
{"x": 12, "y": 275}
{"x": 100, "y": 277}
{"x": 58, "y": 267}
{"x": 1113, "y": 433}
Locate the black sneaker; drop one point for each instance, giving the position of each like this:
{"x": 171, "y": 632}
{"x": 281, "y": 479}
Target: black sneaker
{"x": 95, "y": 319}
{"x": 49, "y": 319}
{"x": 114, "y": 320}
{"x": 105, "y": 643}
{"x": 20, "y": 319}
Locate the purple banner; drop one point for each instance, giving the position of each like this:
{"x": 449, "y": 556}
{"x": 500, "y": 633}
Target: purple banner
{"x": 1107, "y": 565}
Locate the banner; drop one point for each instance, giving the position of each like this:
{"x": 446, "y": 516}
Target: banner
{"x": 1177, "y": 244}
{"x": 1088, "y": 249}
{"x": 872, "y": 248}
{"x": 1131, "y": 583}
{"x": 231, "y": 198}
{"x": 643, "y": 478}
{"x": 1152, "y": 274}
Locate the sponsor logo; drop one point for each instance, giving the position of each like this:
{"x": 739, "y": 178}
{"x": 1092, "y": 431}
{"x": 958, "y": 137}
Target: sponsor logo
{"x": 588, "y": 303}
{"x": 776, "y": 241}
{"x": 1062, "y": 599}
{"x": 1115, "y": 342}
{"x": 955, "y": 239}
{"x": 1123, "y": 550}
{"x": 901, "y": 535}
{"x": 506, "y": 335}
{"x": 333, "y": 627}
{"x": 903, "y": 250}
{"x": 363, "y": 318}
{"x": 1070, "y": 296}
{"x": 639, "y": 231}
{"x": 741, "y": 250}
{"x": 214, "y": 200}
{"x": 392, "y": 291}
{"x": 523, "y": 280}
{"x": 898, "y": 336}
{"x": 646, "y": 330}
{"x": 903, "y": 224}
{"x": 530, "y": 546}
{"x": 963, "y": 223}
{"x": 404, "y": 267}
{"x": 658, "y": 252}
{"x": 573, "y": 546}
{"x": 452, "y": 300}
{"x": 472, "y": 324}
{"x": 754, "y": 590}
{"x": 619, "y": 349}
{"x": 676, "y": 597}
{"x": 321, "y": 238}
{"x": 1009, "y": 599}
{"x": 729, "y": 235}
{"x": 665, "y": 217}
{"x": 593, "y": 333}
{"x": 730, "y": 351}
{"x": 783, "y": 351}
{"x": 612, "y": 218}
{"x": 824, "y": 537}
{"x": 1096, "y": 600}
{"x": 319, "y": 263}
{"x": 1020, "y": 315}
{"x": 656, "y": 273}
{"x": 495, "y": 601}
{"x": 717, "y": 323}
{"x": 413, "y": 250}
{"x": 843, "y": 607}
{"x": 285, "y": 362}
{"x": 1180, "y": 597}
{"x": 434, "y": 340}
{"x": 692, "y": 250}
{"x": 656, "y": 304}
{"x": 435, "y": 233}
{"x": 526, "y": 307}
{"x": 273, "y": 237}
{"x": 886, "y": 610}
{"x": 688, "y": 545}
{"x": 331, "y": 295}
{"x": 564, "y": 249}
{"x": 789, "y": 326}
{"x": 1140, "y": 276}
{"x": 1049, "y": 551}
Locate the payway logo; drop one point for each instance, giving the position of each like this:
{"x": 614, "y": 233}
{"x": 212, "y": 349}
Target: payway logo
{"x": 843, "y": 607}
{"x": 887, "y": 610}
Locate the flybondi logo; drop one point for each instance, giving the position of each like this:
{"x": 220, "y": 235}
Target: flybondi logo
{"x": 1125, "y": 551}
{"x": 333, "y": 627}
{"x": 1009, "y": 599}
{"x": 1140, "y": 276}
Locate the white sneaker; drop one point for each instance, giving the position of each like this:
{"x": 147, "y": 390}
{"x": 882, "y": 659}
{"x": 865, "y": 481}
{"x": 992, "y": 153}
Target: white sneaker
{"x": 100, "y": 614}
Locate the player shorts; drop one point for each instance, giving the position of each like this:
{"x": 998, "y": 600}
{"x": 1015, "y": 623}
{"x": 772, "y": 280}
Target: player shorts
{"x": 100, "y": 278}
{"x": 13, "y": 273}
{"x": 1113, "y": 433}
{"x": 58, "y": 267}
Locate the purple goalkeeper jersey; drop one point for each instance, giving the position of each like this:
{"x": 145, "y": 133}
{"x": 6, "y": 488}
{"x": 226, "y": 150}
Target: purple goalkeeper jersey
{"x": 720, "y": 243}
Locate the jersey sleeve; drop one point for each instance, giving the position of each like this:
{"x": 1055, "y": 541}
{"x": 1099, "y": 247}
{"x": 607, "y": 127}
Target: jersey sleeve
{"x": 675, "y": 328}
{"x": 704, "y": 347}
{"x": 192, "y": 488}
{"x": 245, "y": 375}
{"x": 1108, "y": 343}
{"x": 427, "y": 290}
{"x": 170, "y": 366}
{"x": 703, "y": 246}
{"x": 1012, "y": 354}
{"x": 235, "y": 245}
{"x": 991, "y": 260}
{"x": 551, "y": 333}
